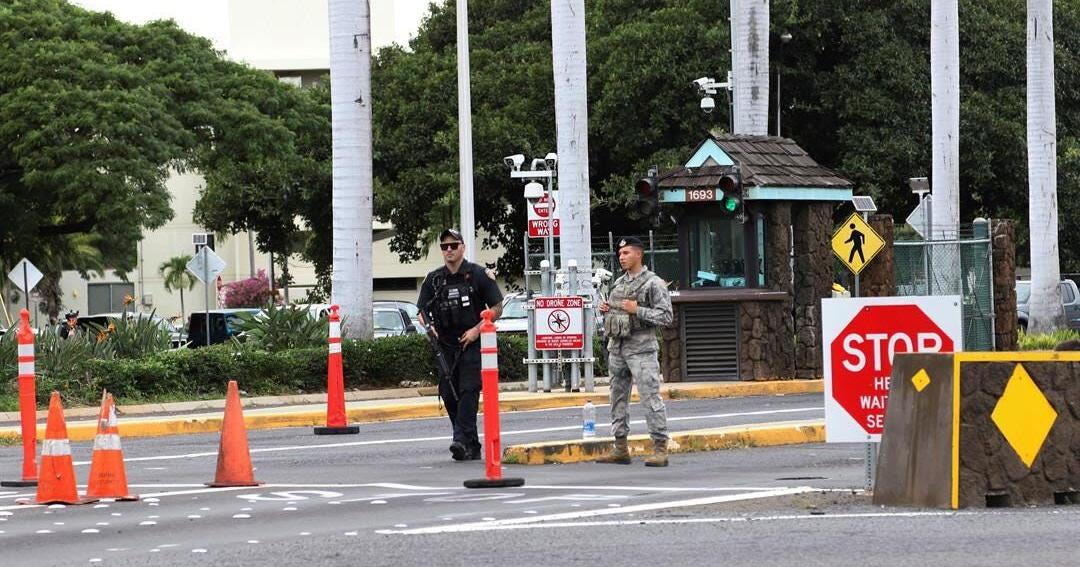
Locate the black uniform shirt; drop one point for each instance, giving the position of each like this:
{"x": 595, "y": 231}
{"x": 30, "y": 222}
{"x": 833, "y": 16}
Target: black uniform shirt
{"x": 485, "y": 292}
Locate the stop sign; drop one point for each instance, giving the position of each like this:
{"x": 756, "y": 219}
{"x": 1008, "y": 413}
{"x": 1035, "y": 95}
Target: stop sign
{"x": 859, "y": 354}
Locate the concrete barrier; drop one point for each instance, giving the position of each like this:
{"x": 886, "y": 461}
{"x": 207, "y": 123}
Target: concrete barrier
{"x": 981, "y": 429}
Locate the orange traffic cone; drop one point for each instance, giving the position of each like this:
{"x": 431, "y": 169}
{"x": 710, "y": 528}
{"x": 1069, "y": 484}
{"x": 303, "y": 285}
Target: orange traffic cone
{"x": 56, "y": 477}
{"x": 107, "y": 476}
{"x": 234, "y": 459}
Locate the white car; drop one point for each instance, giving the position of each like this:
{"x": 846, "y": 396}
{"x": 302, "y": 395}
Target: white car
{"x": 392, "y": 322}
{"x": 514, "y": 318}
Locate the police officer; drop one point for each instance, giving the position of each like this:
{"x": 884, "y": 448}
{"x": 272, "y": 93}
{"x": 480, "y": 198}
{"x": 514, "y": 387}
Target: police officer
{"x": 452, "y": 298}
{"x": 638, "y": 304}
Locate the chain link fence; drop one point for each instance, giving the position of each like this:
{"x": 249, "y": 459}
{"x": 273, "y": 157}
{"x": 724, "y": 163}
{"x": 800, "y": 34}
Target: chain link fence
{"x": 963, "y": 267}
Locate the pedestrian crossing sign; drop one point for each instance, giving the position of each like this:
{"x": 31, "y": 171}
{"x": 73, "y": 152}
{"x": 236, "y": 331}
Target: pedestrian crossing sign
{"x": 856, "y": 243}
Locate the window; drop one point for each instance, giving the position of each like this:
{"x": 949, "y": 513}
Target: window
{"x": 717, "y": 253}
{"x": 108, "y": 297}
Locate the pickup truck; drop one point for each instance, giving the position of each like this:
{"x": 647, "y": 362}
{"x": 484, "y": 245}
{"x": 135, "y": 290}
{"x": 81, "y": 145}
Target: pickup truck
{"x": 1070, "y": 302}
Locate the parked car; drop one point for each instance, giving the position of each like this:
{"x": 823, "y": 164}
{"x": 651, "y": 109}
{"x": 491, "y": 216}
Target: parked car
{"x": 409, "y": 307}
{"x": 176, "y": 336}
{"x": 221, "y": 326}
{"x": 1070, "y": 303}
{"x": 514, "y": 318}
{"x": 392, "y": 322}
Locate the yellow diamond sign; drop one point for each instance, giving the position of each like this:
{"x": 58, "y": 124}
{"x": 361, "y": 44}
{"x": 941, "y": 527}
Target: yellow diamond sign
{"x": 921, "y": 380}
{"x": 1023, "y": 415}
{"x": 856, "y": 243}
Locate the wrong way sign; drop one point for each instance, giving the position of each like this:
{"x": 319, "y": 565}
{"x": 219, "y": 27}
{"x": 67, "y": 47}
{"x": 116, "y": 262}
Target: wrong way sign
{"x": 559, "y": 323}
{"x": 860, "y": 337}
{"x": 543, "y": 217}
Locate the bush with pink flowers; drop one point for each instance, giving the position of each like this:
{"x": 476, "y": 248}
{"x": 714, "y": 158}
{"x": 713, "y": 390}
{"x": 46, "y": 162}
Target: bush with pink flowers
{"x": 250, "y": 292}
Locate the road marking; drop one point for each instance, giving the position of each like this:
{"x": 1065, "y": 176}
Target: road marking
{"x": 569, "y": 498}
{"x": 447, "y": 437}
{"x": 485, "y": 526}
{"x": 288, "y": 496}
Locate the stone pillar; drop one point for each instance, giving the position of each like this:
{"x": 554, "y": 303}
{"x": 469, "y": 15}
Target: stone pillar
{"x": 1003, "y": 235}
{"x": 671, "y": 347}
{"x": 812, "y": 228}
{"x": 878, "y": 277}
{"x": 766, "y": 351}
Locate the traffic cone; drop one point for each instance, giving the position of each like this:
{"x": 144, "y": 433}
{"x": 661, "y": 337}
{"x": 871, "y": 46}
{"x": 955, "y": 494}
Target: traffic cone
{"x": 336, "y": 418}
{"x": 56, "y": 478}
{"x": 27, "y": 403}
{"x": 107, "y": 476}
{"x": 234, "y": 459}
{"x": 489, "y": 372}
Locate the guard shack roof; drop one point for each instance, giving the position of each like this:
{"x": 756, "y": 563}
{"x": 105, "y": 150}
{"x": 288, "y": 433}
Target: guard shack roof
{"x": 772, "y": 169}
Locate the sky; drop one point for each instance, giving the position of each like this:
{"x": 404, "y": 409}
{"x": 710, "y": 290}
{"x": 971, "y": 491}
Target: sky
{"x": 210, "y": 18}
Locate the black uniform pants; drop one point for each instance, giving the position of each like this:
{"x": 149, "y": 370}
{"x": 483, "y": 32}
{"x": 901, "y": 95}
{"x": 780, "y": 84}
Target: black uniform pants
{"x": 462, "y": 408}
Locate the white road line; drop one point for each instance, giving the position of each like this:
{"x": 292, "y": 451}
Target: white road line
{"x": 495, "y": 526}
{"x": 447, "y": 438}
{"x": 485, "y": 526}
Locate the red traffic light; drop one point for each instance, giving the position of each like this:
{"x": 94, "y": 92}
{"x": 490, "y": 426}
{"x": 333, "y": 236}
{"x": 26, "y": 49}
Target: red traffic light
{"x": 646, "y": 188}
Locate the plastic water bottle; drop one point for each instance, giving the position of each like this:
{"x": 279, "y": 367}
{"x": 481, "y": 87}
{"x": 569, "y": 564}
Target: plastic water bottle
{"x": 588, "y": 421}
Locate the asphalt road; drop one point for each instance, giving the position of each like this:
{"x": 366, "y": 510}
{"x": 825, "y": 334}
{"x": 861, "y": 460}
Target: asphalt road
{"x": 392, "y": 496}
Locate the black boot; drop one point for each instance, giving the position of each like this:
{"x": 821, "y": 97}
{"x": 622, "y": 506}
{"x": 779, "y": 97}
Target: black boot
{"x": 458, "y": 451}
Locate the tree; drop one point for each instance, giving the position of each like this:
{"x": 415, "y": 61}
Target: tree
{"x": 1045, "y": 311}
{"x": 353, "y": 192}
{"x": 177, "y": 277}
{"x": 96, "y": 114}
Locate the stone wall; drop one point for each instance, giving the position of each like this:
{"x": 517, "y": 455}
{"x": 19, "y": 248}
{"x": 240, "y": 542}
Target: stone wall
{"x": 766, "y": 349}
{"x": 1003, "y": 235}
{"x": 989, "y": 465}
{"x": 878, "y": 278}
{"x": 812, "y": 226}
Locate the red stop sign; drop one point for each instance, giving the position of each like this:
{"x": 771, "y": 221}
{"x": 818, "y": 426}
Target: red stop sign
{"x": 862, "y": 357}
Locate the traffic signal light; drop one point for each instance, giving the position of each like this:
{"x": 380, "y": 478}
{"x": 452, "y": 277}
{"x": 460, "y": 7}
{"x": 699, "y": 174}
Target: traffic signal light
{"x": 731, "y": 185}
{"x": 648, "y": 196}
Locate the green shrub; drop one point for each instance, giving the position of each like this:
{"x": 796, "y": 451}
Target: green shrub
{"x": 282, "y": 328}
{"x": 1046, "y": 341}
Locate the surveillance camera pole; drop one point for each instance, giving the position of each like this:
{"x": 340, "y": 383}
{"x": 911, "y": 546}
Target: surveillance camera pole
{"x": 468, "y": 222}
{"x": 710, "y": 86}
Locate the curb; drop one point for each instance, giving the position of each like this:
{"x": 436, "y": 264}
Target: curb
{"x": 516, "y": 401}
{"x": 741, "y": 436}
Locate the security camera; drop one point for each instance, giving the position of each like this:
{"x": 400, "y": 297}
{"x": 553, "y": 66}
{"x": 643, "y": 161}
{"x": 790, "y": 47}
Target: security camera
{"x": 538, "y": 164}
{"x": 702, "y": 82}
{"x": 514, "y": 162}
{"x": 551, "y": 160}
{"x": 708, "y": 103}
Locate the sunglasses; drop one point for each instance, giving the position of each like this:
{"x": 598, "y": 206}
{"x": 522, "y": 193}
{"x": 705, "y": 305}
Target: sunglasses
{"x": 449, "y": 246}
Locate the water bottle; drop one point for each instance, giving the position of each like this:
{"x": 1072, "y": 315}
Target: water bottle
{"x": 588, "y": 421}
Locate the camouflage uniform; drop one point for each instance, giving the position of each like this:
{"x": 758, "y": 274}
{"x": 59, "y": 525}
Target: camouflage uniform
{"x": 633, "y": 351}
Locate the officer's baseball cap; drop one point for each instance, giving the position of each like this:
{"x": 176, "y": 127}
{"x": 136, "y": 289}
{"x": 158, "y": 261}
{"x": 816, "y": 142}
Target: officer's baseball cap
{"x": 451, "y": 233}
{"x": 630, "y": 241}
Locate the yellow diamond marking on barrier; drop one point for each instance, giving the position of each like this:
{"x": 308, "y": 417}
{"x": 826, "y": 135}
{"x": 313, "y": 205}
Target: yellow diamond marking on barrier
{"x": 921, "y": 380}
{"x": 1023, "y": 415}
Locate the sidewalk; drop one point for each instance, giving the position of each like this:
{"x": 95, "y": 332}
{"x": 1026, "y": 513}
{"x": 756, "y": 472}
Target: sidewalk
{"x": 182, "y": 418}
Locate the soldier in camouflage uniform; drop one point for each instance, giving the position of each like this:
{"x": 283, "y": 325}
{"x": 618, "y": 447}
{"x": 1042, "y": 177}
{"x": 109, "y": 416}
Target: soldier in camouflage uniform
{"x": 638, "y": 304}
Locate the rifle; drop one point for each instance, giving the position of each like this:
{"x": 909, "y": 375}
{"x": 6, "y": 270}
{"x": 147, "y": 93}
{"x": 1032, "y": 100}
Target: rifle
{"x": 445, "y": 370}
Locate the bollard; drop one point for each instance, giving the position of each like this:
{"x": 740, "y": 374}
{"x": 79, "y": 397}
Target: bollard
{"x": 27, "y": 403}
{"x": 489, "y": 354}
{"x": 336, "y": 419}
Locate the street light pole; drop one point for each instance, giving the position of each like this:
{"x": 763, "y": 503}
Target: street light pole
{"x": 784, "y": 38}
{"x": 465, "y": 173}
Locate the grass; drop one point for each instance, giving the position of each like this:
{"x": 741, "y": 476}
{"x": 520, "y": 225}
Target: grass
{"x": 1045, "y": 341}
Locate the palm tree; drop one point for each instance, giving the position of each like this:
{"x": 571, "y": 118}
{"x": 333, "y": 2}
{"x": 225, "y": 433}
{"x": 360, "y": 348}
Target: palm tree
{"x": 572, "y": 128}
{"x": 177, "y": 277}
{"x": 1045, "y": 311}
{"x": 750, "y": 66}
{"x": 945, "y": 117}
{"x": 350, "y": 100}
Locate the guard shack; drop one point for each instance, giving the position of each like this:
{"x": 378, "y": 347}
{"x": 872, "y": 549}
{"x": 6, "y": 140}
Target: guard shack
{"x": 755, "y": 261}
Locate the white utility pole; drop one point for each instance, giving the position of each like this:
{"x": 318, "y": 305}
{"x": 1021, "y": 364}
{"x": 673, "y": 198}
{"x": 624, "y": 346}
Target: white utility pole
{"x": 750, "y": 66}
{"x": 568, "y": 50}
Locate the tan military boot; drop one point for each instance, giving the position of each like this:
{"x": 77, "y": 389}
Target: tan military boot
{"x": 659, "y": 456}
{"x": 620, "y": 455}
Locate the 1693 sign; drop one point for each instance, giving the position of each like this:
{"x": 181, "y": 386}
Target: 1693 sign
{"x": 700, "y": 195}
